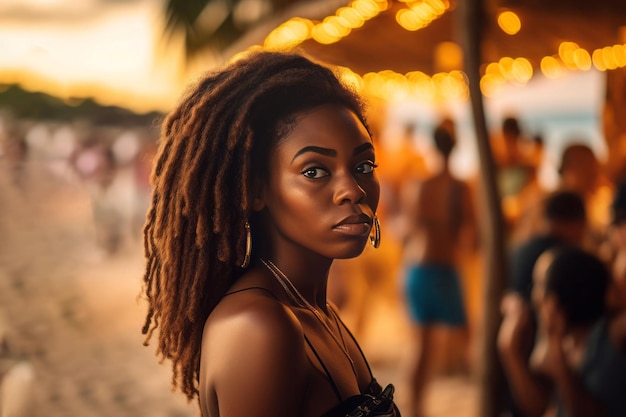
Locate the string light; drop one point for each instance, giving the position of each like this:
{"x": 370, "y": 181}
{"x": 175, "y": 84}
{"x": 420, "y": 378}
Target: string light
{"x": 444, "y": 86}
{"x": 509, "y": 22}
{"x": 419, "y": 14}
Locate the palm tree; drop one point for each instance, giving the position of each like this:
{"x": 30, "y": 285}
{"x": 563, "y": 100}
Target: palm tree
{"x": 217, "y": 24}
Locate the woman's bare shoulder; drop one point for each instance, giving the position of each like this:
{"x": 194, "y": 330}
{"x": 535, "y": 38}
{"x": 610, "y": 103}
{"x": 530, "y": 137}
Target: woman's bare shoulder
{"x": 252, "y": 312}
{"x": 253, "y": 348}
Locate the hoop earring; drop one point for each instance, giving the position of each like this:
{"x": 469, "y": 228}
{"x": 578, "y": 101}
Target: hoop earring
{"x": 375, "y": 237}
{"x": 247, "y": 256}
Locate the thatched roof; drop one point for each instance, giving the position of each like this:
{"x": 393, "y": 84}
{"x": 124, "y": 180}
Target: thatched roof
{"x": 381, "y": 43}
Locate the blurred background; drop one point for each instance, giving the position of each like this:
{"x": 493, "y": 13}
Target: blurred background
{"x": 84, "y": 86}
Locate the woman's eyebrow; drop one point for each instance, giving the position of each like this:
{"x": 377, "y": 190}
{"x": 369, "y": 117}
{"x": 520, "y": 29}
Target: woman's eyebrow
{"x": 363, "y": 147}
{"x": 331, "y": 152}
{"x": 316, "y": 149}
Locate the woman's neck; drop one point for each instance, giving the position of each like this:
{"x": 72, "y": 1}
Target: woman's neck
{"x": 309, "y": 279}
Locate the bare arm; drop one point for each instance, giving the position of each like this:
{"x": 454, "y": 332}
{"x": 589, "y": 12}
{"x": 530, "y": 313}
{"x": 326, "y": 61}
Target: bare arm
{"x": 574, "y": 397}
{"x": 530, "y": 392}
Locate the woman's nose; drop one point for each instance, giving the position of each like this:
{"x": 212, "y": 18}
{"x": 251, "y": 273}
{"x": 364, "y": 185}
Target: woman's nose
{"x": 349, "y": 190}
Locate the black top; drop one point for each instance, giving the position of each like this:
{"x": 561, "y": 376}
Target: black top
{"x": 523, "y": 259}
{"x": 374, "y": 402}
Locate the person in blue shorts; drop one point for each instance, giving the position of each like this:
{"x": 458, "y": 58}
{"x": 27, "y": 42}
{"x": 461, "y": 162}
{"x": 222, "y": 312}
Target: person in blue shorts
{"x": 434, "y": 294}
{"x": 438, "y": 219}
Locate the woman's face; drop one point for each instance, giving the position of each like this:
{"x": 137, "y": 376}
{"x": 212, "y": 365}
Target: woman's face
{"x": 322, "y": 191}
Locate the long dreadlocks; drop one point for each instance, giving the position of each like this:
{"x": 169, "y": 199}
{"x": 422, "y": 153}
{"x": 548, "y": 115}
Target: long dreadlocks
{"x": 194, "y": 236}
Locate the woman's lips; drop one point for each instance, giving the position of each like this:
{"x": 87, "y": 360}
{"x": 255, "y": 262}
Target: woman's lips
{"x": 355, "y": 225}
{"x": 353, "y": 229}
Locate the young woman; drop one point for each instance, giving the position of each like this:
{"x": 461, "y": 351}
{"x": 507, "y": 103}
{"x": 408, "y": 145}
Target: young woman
{"x": 265, "y": 174}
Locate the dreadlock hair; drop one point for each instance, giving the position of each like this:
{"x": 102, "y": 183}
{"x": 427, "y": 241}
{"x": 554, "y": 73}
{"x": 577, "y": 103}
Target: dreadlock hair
{"x": 194, "y": 236}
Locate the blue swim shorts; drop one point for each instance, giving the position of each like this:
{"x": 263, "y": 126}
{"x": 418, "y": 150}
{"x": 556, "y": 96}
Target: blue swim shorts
{"x": 433, "y": 295}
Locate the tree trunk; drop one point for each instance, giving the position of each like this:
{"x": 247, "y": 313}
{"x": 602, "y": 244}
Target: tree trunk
{"x": 471, "y": 15}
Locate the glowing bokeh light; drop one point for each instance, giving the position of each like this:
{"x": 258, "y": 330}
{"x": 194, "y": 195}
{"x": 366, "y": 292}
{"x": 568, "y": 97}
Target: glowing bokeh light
{"x": 522, "y": 70}
{"x": 509, "y": 22}
{"x": 551, "y": 67}
{"x": 566, "y": 53}
{"x": 598, "y": 60}
{"x": 289, "y": 34}
{"x": 582, "y": 59}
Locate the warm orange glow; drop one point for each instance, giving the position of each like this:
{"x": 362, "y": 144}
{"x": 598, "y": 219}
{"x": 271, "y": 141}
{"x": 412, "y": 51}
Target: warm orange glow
{"x": 353, "y": 18}
{"x": 439, "y": 6}
{"x": 332, "y": 29}
{"x": 350, "y": 78}
{"x": 387, "y": 85}
{"x": 409, "y": 20}
{"x": 551, "y": 67}
{"x": 566, "y": 53}
{"x": 291, "y": 33}
{"x": 506, "y": 67}
{"x": 367, "y": 8}
{"x": 336, "y": 26}
{"x": 420, "y": 14}
{"x": 509, "y": 22}
{"x": 323, "y": 33}
{"x": 609, "y": 58}
{"x": 114, "y": 57}
{"x": 489, "y": 83}
{"x": 619, "y": 53}
{"x": 448, "y": 56}
{"x": 598, "y": 60}
{"x": 519, "y": 70}
{"x": 522, "y": 70}
{"x": 582, "y": 59}
{"x": 493, "y": 69}
{"x": 121, "y": 61}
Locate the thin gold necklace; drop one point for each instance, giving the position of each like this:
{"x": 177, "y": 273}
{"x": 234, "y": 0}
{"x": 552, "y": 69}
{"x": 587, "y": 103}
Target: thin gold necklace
{"x": 299, "y": 299}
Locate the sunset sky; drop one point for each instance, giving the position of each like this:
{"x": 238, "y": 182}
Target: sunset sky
{"x": 108, "y": 49}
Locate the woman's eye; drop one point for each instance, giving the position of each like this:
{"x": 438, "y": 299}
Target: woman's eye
{"x": 315, "y": 173}
{"x": 366, "y": 167}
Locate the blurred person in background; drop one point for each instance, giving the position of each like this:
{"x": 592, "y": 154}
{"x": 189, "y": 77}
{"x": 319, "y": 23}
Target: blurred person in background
{"x": 564, "y": 222}
{"x": 95, "y": 164}
{"x": 511, "y": 146}
{"x": 517, "y": 159}
{"x": 13, "y": 156}
{"x": 525, "y": 209}
{"x": 580, "y": 172}
{"x": 577, "y": 364}
{"x": 438, "y": 221}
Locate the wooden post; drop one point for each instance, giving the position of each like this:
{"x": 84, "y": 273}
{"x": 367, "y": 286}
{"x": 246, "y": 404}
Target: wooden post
{"x": 471, "y": 15}
{"x": 614, "y": 124}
